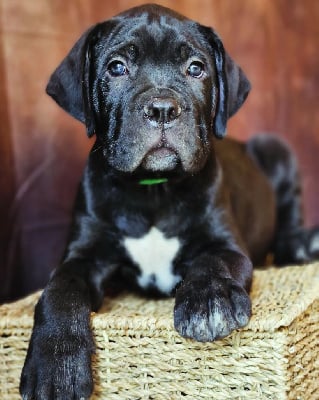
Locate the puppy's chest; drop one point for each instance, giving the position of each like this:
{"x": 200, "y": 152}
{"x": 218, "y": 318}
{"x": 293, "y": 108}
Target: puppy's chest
{"x": 154, "y": 254}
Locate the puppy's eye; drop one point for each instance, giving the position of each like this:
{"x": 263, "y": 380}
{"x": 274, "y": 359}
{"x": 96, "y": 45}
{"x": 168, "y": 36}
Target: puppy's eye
{"x": 196, "y": 69}
{"x": 117, "y": 68}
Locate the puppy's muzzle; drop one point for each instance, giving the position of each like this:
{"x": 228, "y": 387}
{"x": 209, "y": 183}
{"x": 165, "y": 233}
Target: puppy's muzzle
{"x": 162, "y": 111}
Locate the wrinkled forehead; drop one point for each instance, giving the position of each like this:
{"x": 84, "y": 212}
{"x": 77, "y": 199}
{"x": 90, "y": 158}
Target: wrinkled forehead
{"x": 154, "y": 15}
{"x": 157, "y": 34}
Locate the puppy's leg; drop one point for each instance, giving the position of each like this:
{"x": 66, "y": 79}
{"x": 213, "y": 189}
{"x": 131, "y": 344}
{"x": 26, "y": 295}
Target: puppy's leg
{"x": 58, "y": 362}
{"x": 213, "y": 298}
{"x": 293, "y": 243}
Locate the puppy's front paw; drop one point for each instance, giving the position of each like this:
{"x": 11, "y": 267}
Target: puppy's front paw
{"x": 57, "y": 368}
{"x": 206, "y": 312}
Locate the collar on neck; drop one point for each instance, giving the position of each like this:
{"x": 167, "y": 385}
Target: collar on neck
{"x": 153, "y": 181}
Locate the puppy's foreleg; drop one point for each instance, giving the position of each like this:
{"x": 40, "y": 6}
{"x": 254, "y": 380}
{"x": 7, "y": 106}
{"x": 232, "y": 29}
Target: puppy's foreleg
{"x": 213, "y": 298}
{"x": 58, "y": 362}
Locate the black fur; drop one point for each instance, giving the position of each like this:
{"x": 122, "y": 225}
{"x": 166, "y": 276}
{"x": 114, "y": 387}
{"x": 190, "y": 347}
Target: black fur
{"x": 155, "y": 87}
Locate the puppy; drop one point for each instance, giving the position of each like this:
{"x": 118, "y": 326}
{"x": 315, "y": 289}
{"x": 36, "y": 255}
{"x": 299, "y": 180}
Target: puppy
{"x": 164, "y": 205}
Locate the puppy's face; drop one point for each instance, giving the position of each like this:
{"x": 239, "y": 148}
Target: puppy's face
{"x": 155, "y": 96}
{"x": 153, "y": 87}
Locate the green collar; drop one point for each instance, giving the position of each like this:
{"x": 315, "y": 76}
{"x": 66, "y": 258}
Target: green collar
{"x": 154, "y": 181}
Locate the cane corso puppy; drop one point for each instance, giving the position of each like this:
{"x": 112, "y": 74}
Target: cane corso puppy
{"x": 164, "y": 205}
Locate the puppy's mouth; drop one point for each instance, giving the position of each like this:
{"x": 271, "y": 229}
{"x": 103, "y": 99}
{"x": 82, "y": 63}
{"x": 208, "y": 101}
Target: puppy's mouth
{"x": 161, "y": 159}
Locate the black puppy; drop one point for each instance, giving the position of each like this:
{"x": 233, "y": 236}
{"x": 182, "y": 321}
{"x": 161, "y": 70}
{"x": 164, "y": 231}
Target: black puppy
{"x": 163, "y": 205}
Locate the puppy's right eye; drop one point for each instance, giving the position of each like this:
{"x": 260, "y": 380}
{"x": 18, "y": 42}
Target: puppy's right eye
{"x": 117, "y": 68}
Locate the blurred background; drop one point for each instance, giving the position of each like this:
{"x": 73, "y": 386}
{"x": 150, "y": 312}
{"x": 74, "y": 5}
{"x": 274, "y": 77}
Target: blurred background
{"x": 43, "y": 150}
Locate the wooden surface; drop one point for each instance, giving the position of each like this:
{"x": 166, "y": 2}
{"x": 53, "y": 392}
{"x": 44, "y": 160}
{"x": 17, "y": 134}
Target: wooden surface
{"x": 43, "y": 150}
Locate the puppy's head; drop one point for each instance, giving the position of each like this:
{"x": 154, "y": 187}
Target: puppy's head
{"x": 153, "y": 86}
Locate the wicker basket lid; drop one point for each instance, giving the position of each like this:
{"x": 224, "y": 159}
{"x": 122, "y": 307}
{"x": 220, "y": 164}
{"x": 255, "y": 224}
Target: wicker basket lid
{"x": 278, "y": 297}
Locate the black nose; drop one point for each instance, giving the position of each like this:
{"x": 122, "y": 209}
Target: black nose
{"x": 162, "y": 110}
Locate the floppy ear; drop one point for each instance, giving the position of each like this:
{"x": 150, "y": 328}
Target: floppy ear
{"x": 69, "y": 85}
{"x": 233, "y": 86}
{"x": 238, "y": 86}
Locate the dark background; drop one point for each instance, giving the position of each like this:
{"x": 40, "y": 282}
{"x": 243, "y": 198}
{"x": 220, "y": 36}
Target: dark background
{"x": 43, "y": 150}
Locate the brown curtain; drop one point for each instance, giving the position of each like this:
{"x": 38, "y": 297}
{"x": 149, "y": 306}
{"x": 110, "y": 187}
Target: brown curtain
{"x": 43, "y": 150}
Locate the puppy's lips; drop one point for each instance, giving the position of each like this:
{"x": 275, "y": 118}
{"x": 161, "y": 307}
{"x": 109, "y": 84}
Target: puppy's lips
{"x": 160, "y": 159}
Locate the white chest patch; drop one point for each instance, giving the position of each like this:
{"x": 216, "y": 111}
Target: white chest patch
{"x": 154, "y": 254}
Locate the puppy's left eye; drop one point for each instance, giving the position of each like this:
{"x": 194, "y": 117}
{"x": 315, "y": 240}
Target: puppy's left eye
{"x": 117, "y": 68}
{"x": 196, "y": 69}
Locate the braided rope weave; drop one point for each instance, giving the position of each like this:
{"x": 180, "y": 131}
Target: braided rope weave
{"x": 140, "y": 356}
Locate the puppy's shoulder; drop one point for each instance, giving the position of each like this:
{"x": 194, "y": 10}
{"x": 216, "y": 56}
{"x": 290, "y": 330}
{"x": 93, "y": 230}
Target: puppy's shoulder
{"x": 230, "y": 151}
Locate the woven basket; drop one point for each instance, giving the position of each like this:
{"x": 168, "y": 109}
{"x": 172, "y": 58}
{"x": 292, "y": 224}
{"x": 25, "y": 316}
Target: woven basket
{"x": 140, "y": 356}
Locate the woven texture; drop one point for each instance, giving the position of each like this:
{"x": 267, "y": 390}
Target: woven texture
{"x": 140, "y": 356}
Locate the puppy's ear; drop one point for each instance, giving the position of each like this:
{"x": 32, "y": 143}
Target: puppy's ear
{"x": 232, "y": 84}
{"x": 238, "y": 86}
{"x": 70, "y": 83}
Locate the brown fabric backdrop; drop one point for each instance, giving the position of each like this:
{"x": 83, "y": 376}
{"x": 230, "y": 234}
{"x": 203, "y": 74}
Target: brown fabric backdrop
{"x": 42, "y": 150}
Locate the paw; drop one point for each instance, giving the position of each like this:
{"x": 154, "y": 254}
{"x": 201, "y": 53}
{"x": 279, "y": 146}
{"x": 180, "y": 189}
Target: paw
{"x": 299, "y": 248}
{"x": 208, "y": 312}
{"x": 57, "y": 368}
{"x": 307, "y": 249}
{"x": 313, "y": 244}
